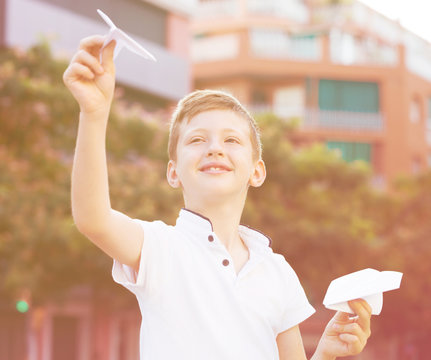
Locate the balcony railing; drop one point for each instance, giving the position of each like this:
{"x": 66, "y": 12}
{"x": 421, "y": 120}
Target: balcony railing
{"x": 294, "y": 10}
{"x": 317, "y": 119}
{"x": 343, "y": 120}
{"x": 418, "y": 56}
{"x": 347, "y": 49}
{"x": 215, "y": 48}
{"x": 217, "y": 8}
{"x": 276, "y": 44}
{"x": 428, "y": 132}
{"x": 363, "y": 17}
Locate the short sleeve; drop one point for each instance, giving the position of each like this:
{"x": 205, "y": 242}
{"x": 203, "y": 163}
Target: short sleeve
{"x": 154, "y": 258}
{"x": 297, "y": 308}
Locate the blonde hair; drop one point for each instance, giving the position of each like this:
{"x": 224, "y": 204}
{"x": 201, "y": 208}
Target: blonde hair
{"x": 205, "y": 100}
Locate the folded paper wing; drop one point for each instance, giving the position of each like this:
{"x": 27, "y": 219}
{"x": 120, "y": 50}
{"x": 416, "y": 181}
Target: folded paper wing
{"x": 367, "y": 284}
{"x": 123, "y": 40}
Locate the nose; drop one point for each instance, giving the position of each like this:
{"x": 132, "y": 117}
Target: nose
{"x": 215, "y": 148}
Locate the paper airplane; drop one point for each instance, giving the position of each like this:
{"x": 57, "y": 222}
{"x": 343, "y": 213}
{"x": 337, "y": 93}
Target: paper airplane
{"x": 123, "y": 40}
{"x": 367, "y": 284}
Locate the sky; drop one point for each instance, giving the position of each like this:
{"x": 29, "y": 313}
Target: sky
{"x": 414, "y": 15}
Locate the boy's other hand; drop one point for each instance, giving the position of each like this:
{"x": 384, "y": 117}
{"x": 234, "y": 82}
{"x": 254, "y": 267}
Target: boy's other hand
{"x": 90, "y": 76}
{"x": 346, "y": 335}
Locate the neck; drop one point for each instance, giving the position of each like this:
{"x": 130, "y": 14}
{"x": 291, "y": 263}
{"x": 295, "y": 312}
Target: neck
{"x": 225, "y": 219}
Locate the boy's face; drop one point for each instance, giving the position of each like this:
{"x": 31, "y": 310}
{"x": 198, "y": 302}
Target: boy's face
{"x": 214, "y": 157}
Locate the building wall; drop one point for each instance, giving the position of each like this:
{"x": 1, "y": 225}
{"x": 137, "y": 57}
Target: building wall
{"x": 2, "y": 22}
{"x": 254, "y": 57}
{"x": 169, "y": 78}
{"x": 137, "y": 16}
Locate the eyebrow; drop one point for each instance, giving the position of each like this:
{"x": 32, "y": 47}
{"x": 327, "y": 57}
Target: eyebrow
{"x": 205, "y": 130}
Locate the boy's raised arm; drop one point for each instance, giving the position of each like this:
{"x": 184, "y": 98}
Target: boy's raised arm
{"x": 92, "y": 83}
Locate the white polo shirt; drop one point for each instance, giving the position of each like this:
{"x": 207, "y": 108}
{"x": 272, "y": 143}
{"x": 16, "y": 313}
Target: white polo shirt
{"x": 195, "y": 306}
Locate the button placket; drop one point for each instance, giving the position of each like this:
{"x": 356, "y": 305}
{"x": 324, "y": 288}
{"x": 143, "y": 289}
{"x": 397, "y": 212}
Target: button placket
{"x": 225, "y": 259}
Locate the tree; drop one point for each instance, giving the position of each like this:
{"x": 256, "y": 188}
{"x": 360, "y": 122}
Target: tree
{"x": 40, "y": 249}
{"x": 313, "y": 204}
{"x": 327, "y": 220}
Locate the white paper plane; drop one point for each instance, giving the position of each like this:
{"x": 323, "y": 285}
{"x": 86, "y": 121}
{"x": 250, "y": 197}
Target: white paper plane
{"x": 123, "y": 40}
{"x": 367, "y": 284}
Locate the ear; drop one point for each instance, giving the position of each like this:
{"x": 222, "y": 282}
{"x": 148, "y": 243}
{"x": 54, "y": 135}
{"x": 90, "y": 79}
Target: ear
{"x": 259, "y": 174}
{"x": 171, "y": 174}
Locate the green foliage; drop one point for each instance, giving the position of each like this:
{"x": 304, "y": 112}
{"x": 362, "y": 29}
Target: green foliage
{"x": 327, "y": 220}
{"x": 40, "y": 248}
{"x": 313, "y": 205}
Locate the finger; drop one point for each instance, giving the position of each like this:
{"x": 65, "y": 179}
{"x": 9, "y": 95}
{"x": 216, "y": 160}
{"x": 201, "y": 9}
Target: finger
{"x": 341, "y": 316}
{"x": 354, "y": 343}
{"x": 365, "y": 305}
{"x": 108, "y": 57}
{"x": 88, "y": 60}
{"x": 349, "y": 338}
{"x": 77, "y": 70}
{"x": 352, "y": 328}
{"x": 363, "y": 310}
{"x": 92, "y": 44}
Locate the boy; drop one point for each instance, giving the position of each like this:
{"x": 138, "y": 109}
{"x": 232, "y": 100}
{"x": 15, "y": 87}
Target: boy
{"x": 207, "y": 287}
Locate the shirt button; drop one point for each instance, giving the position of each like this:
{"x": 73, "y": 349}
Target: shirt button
{"x": 225, "y": 262}
{"x": 210, "y": 238}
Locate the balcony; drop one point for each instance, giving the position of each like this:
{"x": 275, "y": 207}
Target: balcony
{"x": 215, "y": 48}
{"x": 317, "y": 119}
{"x": 342, "y": 120}
{"x": 346, "y": 49}
{"x": 360, "y": 16}
{"x": 276, "y": 44}
{"x": 418, "y": 56}
{"x": 217, "y": 8}
{"x": 293, "y": 10}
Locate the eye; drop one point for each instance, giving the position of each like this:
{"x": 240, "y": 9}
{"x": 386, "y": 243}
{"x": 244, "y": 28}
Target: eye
{"x": 232, "y": 140}
{"x": 195, "y": 139}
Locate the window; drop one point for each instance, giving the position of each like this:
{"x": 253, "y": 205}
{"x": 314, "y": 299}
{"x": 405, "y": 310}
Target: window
{"x": 289, "y": 102}
{"x": 335, "y": 95}
{"x": 428, "y": 126}
{"x": 416, "y": 165}
{"x": 415, "y": 110}
{"x": 429, "y": 115}
{"x": 351, "y": 151}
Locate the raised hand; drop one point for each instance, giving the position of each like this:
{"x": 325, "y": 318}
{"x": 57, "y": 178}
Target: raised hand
{"x": 90, "y": 76}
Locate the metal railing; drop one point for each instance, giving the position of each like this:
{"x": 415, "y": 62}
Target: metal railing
{"x": 217, "y": 8}
{"x": 294, "y": 10}
{"x": 347, "y": 49}
{"x": 315, "y": 119}
{"x": 215, "y": 48}
{"x": 277, "y": 44}
{"x": 361, "y": 15}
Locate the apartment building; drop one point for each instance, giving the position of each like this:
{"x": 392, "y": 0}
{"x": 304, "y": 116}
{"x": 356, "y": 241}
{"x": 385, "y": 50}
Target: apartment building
{"x": 352, "y": 78}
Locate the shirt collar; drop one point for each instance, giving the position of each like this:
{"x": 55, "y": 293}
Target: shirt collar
{"x": 200, "y": 226}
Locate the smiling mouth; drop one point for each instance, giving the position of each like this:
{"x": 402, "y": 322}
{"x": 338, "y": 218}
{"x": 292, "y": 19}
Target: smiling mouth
{"x": 214, "y": 169}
